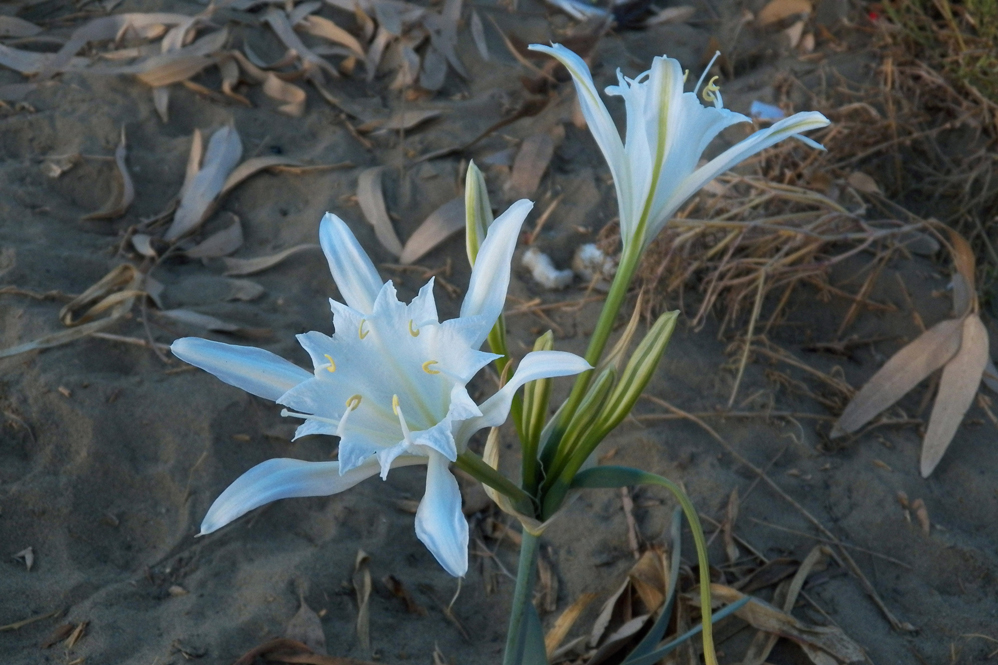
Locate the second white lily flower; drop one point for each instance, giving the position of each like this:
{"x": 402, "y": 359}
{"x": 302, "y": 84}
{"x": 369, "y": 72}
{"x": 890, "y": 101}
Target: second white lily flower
{"x": 390, "y": 383}
{"x": 655, "y": 172}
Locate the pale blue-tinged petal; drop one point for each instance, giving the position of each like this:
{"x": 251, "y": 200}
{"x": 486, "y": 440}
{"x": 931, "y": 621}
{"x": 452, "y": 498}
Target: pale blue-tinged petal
{"x": 256, "y": 371}
{"x": 440, "y": 524}
{"x": 284, "y": 479}
{"x": 486, "y": 295}
{"x": 599, "y": 120}
{"x": 352, "y": 269}
{"x": 535, "y": 365}
{"x": 423, "y": 308}
{"x": 760, "y": 140}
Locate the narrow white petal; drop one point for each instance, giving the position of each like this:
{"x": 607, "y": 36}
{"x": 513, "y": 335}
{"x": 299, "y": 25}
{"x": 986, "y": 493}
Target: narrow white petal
{"x": 760, "y": 140}
{"x": 440, "y": 524}
{"x": 352, "y": 269}
{"x": 256, "y": 371}
{"x": 490, "y": 277}
{"x": 535, "y": 365}
{"x": 285, "y": 479}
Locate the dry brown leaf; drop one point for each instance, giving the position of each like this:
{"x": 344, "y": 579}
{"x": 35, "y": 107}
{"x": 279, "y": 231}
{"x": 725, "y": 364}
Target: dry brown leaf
{"x": 251, "y": 167}
{"x": 433, "y": 72}
{"x": 32, "y": 62}
{"x": 478, "y": 34}
{"x": 991, "y": 375}
{"x": 177, "y": 69}
{"x": 959, "y": 383}
{"x": 243, "y": 290}
{"x": 362, "y": 587}
{"x": 199, "y": 320}
{"x": 442, "y": 223}
{"x": 278, "y": 21}
{"x": 142, "y": 242}
{"x": 105, "y": 28}
{"x": 729, "y": 524}
{"x": 219, "y": 244}
{"x": 405, "y": 120}
{"x": 27, "y": 555}
{"x": 857, "y": 180}
{"x": 564, "y": 623}
{"x": 323, "y": 27}
{"x": 11, "y": 26}
{"x": 283, "y": 650}
{"x": 194, "y": 158}
{"x": 306, "y": 627}
{"x": 546, "y": 590}
{"x": 292, "y": 96}
{"x": 60, "y": 338}
{"x": 372, "y": 203}
{"x": 794, "y": 34}
{"x": 124, "y": 189}
{"x": 963, "y": 299}
{"x": 679, "y": 14}
{"x": 113, "y": 289}
{"x": 529, "y": 166}
{"x": 963, "y": 260}
{"x": 777, "y": 10}
{"x": 650, "y": 578}
{"x": 399, "y": 590}
{"x": 238, "y": 267}
{"x": 221, "y": 157}
{"x": 906, "y": 369}
{"x": 763, "y": 616}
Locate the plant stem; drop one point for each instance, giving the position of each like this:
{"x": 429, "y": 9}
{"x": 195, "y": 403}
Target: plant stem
{"x": 522, "y": 594}
{"x": 597, "y": 343}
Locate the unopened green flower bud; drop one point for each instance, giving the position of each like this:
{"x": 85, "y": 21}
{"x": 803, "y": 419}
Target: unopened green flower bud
{"x": 536, "y": 395}
{"x": 478, "y": 210}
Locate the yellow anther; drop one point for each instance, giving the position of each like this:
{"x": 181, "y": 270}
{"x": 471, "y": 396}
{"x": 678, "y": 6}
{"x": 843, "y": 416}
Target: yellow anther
{"x": 686, "y": 75}
{"x": 353, "y": 402}
{"x": 363, "y": 333}
{"x": 332, "y": 363}
{"x": 414, "y": 333}
{"x": 426, "y": 367}
{"x": 395, "y": 404}
{"x": 708, "y": 92}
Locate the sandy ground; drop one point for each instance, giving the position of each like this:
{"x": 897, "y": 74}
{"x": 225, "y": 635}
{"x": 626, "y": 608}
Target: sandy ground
{"x": 110, "y": 457}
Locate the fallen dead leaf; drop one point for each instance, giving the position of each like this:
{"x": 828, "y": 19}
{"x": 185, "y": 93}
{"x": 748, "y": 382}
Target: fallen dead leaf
{"x": 371, "y": 198}
{"x": 442, "y": 223}
{"x": 362, "y": 588}
{"x": 220, "y": 159}
{"x": 123, "y": 189}
{"x": 306, "y": 627}
{"x": 238, "y": 267}
{"x": 777, "y": 10}
{"x": 27, "y": 556}
{"x": 906, "y": 369}
{"x": 529, "y": 166}
{"x": 564, "y": 623}
{"x": 221, "y": 243}
{"x": 959, "y": 383}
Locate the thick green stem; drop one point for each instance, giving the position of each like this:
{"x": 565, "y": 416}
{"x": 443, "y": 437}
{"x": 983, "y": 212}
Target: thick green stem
{"x": 597, "y": 343}
{"x": 522, "y": 594}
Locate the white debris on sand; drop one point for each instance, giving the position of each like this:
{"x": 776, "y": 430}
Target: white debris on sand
{"x": 590, "y": 261}
{"x": 543, "y": 271}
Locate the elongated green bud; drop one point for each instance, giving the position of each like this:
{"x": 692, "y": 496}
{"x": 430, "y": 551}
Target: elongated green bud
{"x": 638, "y": 372}
{"x": 590, "y": 409}
{"x": 536, "y": 395}
{"x": 478, "y": 210}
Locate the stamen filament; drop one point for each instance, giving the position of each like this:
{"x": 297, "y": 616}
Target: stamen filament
{"x": 332, "y": 364}
{"x": 398, "y": 411}
{"x": 306, "y": 416}
{"x": 706, "y": 70}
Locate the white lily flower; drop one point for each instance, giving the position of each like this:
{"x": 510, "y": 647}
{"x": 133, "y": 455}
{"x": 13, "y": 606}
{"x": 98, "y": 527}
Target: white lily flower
{"x": 656, "y": 172}
{"x": 390, "y": 382}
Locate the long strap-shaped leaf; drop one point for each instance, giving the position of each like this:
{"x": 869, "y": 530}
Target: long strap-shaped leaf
{"x": 622, "y": 476}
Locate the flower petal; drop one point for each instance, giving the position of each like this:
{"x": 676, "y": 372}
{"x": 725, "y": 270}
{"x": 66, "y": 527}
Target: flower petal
{"x": 352, "y": 269}
{"x": 535, "y": 365}
{"x": 760, "y": 140}
{"x": 284, "y": 479}
{"x": 490, "y": 277}
{"x": 599, "y": 121}
{"x": 440, "y": 524}
{"x": 256, "y": 371}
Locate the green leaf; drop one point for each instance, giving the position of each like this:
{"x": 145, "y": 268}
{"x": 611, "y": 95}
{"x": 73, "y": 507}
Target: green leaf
{"x": 622, "y": 476}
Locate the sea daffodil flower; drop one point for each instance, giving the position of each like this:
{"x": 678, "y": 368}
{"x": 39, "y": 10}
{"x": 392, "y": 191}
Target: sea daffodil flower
{"x": 655, "y": 172}
{"x": 390, "y": 382}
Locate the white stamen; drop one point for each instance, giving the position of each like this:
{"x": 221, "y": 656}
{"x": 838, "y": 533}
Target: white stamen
{"x": 405, "y": 428}
{"x": 705, "y": 71}
{"x": 305, "y": 416}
